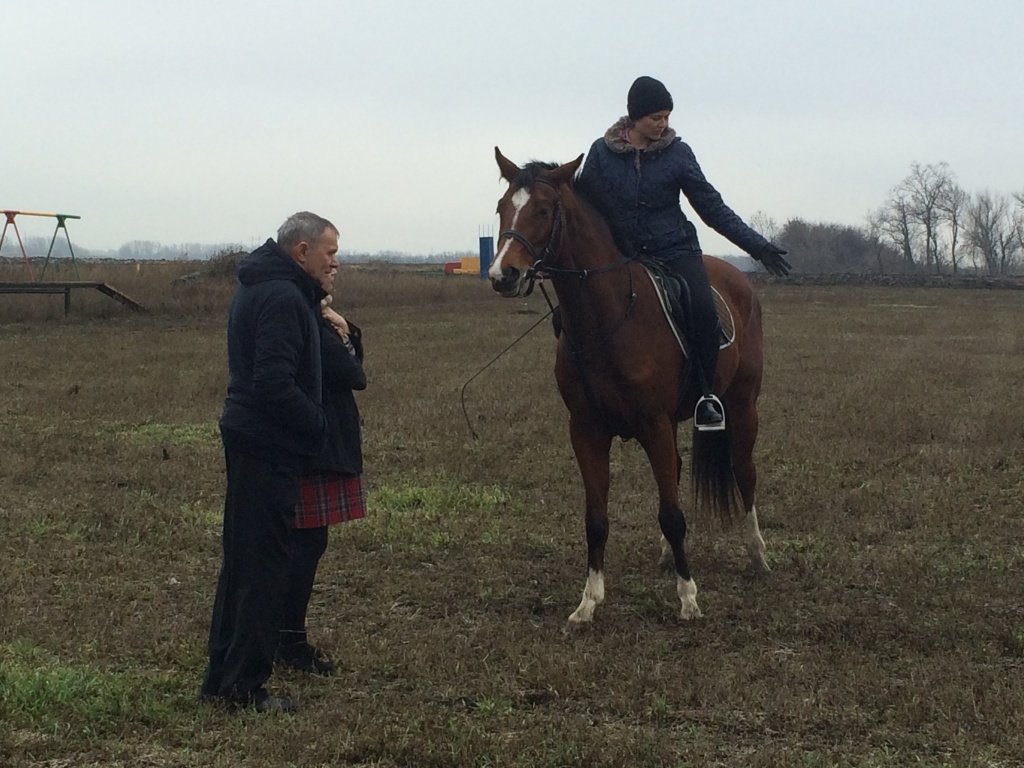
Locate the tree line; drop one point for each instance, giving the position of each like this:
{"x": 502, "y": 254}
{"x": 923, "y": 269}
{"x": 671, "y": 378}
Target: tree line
{"x": 928, "y": 224}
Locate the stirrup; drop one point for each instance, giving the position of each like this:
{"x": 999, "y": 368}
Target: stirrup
{"x": 714, "y": 427}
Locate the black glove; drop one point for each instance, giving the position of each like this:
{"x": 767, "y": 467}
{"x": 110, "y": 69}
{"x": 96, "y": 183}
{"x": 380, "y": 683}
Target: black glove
{"x": 771, "y": 256}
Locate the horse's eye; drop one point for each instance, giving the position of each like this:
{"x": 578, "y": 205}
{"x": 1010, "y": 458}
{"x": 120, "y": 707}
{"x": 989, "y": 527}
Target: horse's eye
{"x": 542, "y": 211}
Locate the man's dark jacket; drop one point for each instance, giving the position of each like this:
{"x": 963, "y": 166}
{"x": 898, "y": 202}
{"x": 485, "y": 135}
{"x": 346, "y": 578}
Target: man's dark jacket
{"x": 637, "y": 191}
{"x": 273, "y": 408}
{"x": 343, "y": 373}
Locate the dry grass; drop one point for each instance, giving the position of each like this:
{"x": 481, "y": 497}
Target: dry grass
{"x": 890, "y": 632}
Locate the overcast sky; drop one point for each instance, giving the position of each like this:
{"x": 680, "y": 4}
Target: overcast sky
{"x": 211, "y": 120}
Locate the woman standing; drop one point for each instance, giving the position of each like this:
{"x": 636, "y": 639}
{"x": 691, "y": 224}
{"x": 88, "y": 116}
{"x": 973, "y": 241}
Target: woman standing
{"x": 333, "y": 492}
{"x": 634, "y": 175}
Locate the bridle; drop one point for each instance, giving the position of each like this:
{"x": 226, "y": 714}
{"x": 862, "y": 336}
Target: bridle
{"x": 540, "y": 269}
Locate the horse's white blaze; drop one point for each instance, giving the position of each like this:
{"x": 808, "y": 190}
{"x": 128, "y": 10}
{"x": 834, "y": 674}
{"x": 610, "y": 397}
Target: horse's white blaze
{"x": 593, "y": 595}
{"x": 754, "y": 542}
{"x": 687, "y": 591}
{"x": 519, "y": 200}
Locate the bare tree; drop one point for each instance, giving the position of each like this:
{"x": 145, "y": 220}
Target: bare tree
{"x": 874, "y": 234}
{"x": 765, "y": 224}
{"x": 924, "y": 190}
{"x": 993, "y": 232}
{"x": 894, "y": 225}
{"x": 1018, "y": 220}
{"x": 952, "y": 207}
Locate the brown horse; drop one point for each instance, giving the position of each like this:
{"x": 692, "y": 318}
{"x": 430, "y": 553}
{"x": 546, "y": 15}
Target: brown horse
{"x": 619, "y": 367}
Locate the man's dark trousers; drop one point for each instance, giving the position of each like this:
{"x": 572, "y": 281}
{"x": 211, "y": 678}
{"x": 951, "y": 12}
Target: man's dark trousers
{"x": 248, "y": 608}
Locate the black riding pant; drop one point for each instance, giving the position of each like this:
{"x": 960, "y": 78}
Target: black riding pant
{"x": 702, "y": 321}
{"x": 248, "y": 607}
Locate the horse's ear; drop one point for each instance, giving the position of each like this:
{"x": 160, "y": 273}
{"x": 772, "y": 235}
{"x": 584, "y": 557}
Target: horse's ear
{"x": 509, "y": 170}
{"x": 564, "y": 174}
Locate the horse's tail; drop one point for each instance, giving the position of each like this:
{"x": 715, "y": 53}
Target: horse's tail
{"x": 714, "y": 484}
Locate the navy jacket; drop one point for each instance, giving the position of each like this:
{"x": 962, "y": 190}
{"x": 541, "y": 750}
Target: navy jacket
{"x": 273, "y": 408}
{"x": 343, "y": 373}
{"x": 637, "y": 191}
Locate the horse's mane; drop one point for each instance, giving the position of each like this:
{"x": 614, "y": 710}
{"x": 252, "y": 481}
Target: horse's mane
{"x": 530, "y": 172}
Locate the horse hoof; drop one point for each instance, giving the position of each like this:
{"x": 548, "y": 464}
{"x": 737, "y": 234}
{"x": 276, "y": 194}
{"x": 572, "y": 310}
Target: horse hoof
{"x": 666, "y": 563}
{"x": 760, "y": 566}
{"x": 690, "y": 611}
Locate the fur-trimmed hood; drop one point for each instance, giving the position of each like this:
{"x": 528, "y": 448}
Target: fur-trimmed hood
{"x": 615, "y": 137}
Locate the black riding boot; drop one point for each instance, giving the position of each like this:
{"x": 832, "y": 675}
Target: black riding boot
{"x": 703, "y": 332}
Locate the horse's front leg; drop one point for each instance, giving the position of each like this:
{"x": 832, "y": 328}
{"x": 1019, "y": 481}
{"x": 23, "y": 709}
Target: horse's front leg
{"x": 660, "y": 444}
{"x": 591, "y": 444}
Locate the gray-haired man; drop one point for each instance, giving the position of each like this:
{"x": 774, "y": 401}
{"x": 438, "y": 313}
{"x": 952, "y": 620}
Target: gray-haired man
{"x": 272, "y": 425}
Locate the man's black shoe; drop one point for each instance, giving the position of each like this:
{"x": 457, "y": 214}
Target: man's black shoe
{"x": 262, "y": 701}
{"x": 259, "y": 700}
{"x": 305, "y": 658}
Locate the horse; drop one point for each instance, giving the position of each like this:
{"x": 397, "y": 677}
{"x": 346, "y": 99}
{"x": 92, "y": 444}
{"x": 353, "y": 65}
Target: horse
{"x": 619, "y": 368}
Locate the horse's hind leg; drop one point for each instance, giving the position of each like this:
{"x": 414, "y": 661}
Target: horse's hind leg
{"x": 744, "y": 425}
{"x": 661, "y": 448}
{"x": 592, "y": 445}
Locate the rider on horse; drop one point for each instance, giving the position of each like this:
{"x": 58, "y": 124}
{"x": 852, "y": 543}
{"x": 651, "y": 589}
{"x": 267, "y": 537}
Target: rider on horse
{"x": 633, "y": 175}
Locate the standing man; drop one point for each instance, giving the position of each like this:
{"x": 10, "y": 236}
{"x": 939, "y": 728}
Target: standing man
{"x": 272, "y": 426}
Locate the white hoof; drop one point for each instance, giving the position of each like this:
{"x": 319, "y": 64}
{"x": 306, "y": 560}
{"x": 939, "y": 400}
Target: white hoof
{"x": 690, "y": 611}
{"x": 758, "y": 563}
{"x": 593, "y": 595}
{"x": 687, "y": 591}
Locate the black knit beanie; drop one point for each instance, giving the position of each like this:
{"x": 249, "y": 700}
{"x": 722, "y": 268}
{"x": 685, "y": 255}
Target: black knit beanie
{"x": 647, "y": 96}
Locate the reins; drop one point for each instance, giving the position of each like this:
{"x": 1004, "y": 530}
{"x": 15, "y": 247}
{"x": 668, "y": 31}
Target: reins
{"x": 545, "y": 270}
{"x": 523, "y": 335}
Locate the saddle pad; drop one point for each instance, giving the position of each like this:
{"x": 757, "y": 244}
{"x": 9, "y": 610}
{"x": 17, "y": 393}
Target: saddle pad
{"x": 725, "y": 319}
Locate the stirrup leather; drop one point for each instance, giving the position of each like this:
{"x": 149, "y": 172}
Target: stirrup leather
{"x": 718, "y": 427}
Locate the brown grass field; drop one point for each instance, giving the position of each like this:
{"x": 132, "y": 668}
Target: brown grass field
{"x": 891, "y": 631}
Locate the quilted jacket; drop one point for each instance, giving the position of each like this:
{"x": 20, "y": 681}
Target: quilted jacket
{"x": 637, "y": 190}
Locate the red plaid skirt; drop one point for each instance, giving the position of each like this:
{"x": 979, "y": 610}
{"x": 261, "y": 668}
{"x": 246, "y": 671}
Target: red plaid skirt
{"x": 328, "y": 498}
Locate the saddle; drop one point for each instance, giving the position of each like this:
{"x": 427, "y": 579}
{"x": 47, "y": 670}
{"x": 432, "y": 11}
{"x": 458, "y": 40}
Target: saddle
{"x": 668, "y": 286}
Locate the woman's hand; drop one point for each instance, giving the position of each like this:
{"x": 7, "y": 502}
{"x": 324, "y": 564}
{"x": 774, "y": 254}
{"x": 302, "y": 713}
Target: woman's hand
{"x": 771, "y": 256}
{"x": 337, "y": 322}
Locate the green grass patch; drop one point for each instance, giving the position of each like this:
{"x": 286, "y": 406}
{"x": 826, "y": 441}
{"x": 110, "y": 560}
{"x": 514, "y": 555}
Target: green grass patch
{"x": 170, "y": 434}
{"x": 435, "y": 516}
{"x": 41, "y": 692}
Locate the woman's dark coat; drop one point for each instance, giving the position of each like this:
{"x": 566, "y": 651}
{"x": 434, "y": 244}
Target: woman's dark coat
{"x": 342, "y": 374}
{"x": 638, "y": 193}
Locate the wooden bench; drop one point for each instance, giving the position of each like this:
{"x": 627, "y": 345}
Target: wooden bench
{"x": 65, "y": 287}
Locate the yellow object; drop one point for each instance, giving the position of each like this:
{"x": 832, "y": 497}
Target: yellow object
{"x": 468, "y": 265}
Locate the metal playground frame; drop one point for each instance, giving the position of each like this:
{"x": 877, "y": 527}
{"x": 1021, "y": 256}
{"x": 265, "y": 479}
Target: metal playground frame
{"x": 61, "y": 218}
